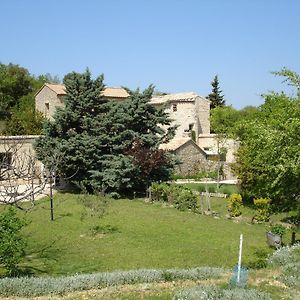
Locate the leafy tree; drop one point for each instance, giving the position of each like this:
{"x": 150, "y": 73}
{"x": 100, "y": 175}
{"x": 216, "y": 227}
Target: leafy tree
{"x": 15, "y": 82}
{"x": 12, "y": 245}
{"x": 17, "y": 101}
{"x": 215, "y": 97}
{"x": 97, "y": 137}
{"x": 268, "y": 160}
{"x": 223, "y": 119}
{"x": 24, "y": 120}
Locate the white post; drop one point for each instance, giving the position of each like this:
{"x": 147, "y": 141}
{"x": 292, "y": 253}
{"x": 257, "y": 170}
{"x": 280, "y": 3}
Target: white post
{"x": 240, "y": 259}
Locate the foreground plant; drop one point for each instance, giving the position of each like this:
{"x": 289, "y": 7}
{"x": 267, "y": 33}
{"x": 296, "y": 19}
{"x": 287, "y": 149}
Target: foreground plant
{"x": 12, "y": 245}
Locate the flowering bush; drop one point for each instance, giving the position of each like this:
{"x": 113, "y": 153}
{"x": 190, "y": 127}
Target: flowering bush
{"x": 234, "y": 205}
{"x": 263, "y": 209}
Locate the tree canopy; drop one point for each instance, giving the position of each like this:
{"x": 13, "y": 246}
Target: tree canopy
{"x": 106, "y": 145}
{"x": 17, "y": 101}
{"x": 268, "y": 159}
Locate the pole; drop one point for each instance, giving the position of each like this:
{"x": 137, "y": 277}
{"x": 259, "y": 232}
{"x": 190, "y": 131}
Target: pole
{"x": 51, "y": 199}
{"x": 240, "y": 259}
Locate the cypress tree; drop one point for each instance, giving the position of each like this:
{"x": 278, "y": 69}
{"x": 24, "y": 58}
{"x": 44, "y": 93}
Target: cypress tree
{"x": 215, "y": 97}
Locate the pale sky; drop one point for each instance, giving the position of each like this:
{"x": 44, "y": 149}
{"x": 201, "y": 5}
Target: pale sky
{"x": 177, "y": 45}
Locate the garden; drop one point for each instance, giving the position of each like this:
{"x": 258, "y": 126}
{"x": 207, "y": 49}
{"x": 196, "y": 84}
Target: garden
{"x": 125, "y": 244}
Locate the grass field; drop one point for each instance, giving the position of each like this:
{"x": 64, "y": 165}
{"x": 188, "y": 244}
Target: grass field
{"x": 133, "y": 235}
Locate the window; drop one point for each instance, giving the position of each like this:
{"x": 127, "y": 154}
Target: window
{"x": 5, "y": 160}
{"x": 191, "y": 126}
{"x": 174, "y": 107}
{"x": 47, "y": 108}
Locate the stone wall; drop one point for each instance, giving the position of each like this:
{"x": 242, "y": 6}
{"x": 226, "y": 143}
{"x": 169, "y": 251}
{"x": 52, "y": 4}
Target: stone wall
{"x": 190, "y": 157}
{"x": 19, "y": 152}
{"x": 46, "y": 102}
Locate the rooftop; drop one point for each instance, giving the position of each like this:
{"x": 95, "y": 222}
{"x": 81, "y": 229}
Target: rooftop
{"x": 109, "y": 92}
{"x": 188, "y": 96}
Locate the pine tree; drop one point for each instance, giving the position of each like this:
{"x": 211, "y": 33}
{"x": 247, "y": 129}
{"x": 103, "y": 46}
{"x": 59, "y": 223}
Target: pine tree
{"x": 136, "y": 132}
{"x": 72, "y": 135}
{"x": 215, "y": 97}
{"x": 101, "y": 142}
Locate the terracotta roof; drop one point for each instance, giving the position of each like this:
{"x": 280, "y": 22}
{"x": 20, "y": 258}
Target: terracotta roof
{"x": 109, "y": 92}
{"x": 59, "y": 89}
{"x": 114, "y": 92}
{"x": 189, "y": 96}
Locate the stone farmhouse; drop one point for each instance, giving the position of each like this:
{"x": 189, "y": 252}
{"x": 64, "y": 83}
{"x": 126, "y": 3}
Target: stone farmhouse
{"x": 193, "y": 143}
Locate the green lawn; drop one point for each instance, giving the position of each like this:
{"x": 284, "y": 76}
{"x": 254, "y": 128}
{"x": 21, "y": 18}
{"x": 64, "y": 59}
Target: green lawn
{"x": 135, "y": 235}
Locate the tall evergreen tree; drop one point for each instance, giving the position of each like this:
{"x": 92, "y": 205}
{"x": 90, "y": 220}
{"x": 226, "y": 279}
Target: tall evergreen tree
{"x": 98, "y": 140}
{"x": 73, "y": 134}
{"x": 215, "y": 97}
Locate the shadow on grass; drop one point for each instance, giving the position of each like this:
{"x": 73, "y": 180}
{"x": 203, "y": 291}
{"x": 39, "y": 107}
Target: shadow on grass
{"x": 44, "y": 255}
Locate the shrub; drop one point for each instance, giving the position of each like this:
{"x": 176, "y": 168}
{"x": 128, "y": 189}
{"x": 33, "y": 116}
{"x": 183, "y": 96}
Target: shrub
{"x": 177, "y": 195}
{"x": 278, "y": 229}
{"x": 291, "y": 275}
{"x": 260, "y": 260}
{"x": 285, "y": 255}
{"x": 234, "y": 205}
{"x": 186, "y": 200}
{"x": 263, "y": 209}
{"x": 213, "y": 292}
{"x": 12, "y": 245}
{"x": 36, "y": 286}
{"x": 159, "y": 192}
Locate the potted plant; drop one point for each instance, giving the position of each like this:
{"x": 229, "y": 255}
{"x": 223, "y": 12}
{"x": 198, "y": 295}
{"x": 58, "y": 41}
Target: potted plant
{"x": 274, "y": 236}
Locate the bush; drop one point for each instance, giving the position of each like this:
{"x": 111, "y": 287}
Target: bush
{"x": 186, "y": 200}
{"x": 37, "y": 286}
{"x": 213, "y": 292}
{"x": 263, "y": 209}
{"x": 159, "y": 192}
{"x": 285, "y": 255}
{"x": 177, "y": 195}
{"x": 291, "y": 275}
{"x": 12, "y": 245}
{"x": 234, "y": 205}
{"x": 278, "y": 229}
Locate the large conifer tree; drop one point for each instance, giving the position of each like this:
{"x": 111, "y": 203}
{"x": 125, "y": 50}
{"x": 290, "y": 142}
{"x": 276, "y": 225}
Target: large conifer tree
{"x": 100, "y": 142}
{"x": 215, "y": 97}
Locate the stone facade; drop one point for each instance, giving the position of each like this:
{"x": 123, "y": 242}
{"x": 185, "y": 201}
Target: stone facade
{"x": 48, "y": 99}
{"x": 190, "y": 156}
{"x": 189, "y": 111}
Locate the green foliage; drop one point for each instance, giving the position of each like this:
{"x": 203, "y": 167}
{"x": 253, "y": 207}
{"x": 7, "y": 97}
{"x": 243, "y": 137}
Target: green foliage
{"x": 267, "y": 161}
{"x": 260, "y": 259}
{"x": 112, "y": 146}
{"x": 12, "y": 245}
{"x": 215, "y": 97}
{"x": 17, "y": 100}
{"x": 263, "y": 209}
{"x": 15, "y": 82}
{"x": 278, "y": 229}
{"x": 24, "y": 120}
{"x": 234, "y": 205}
{"x": 176, "y": 195}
